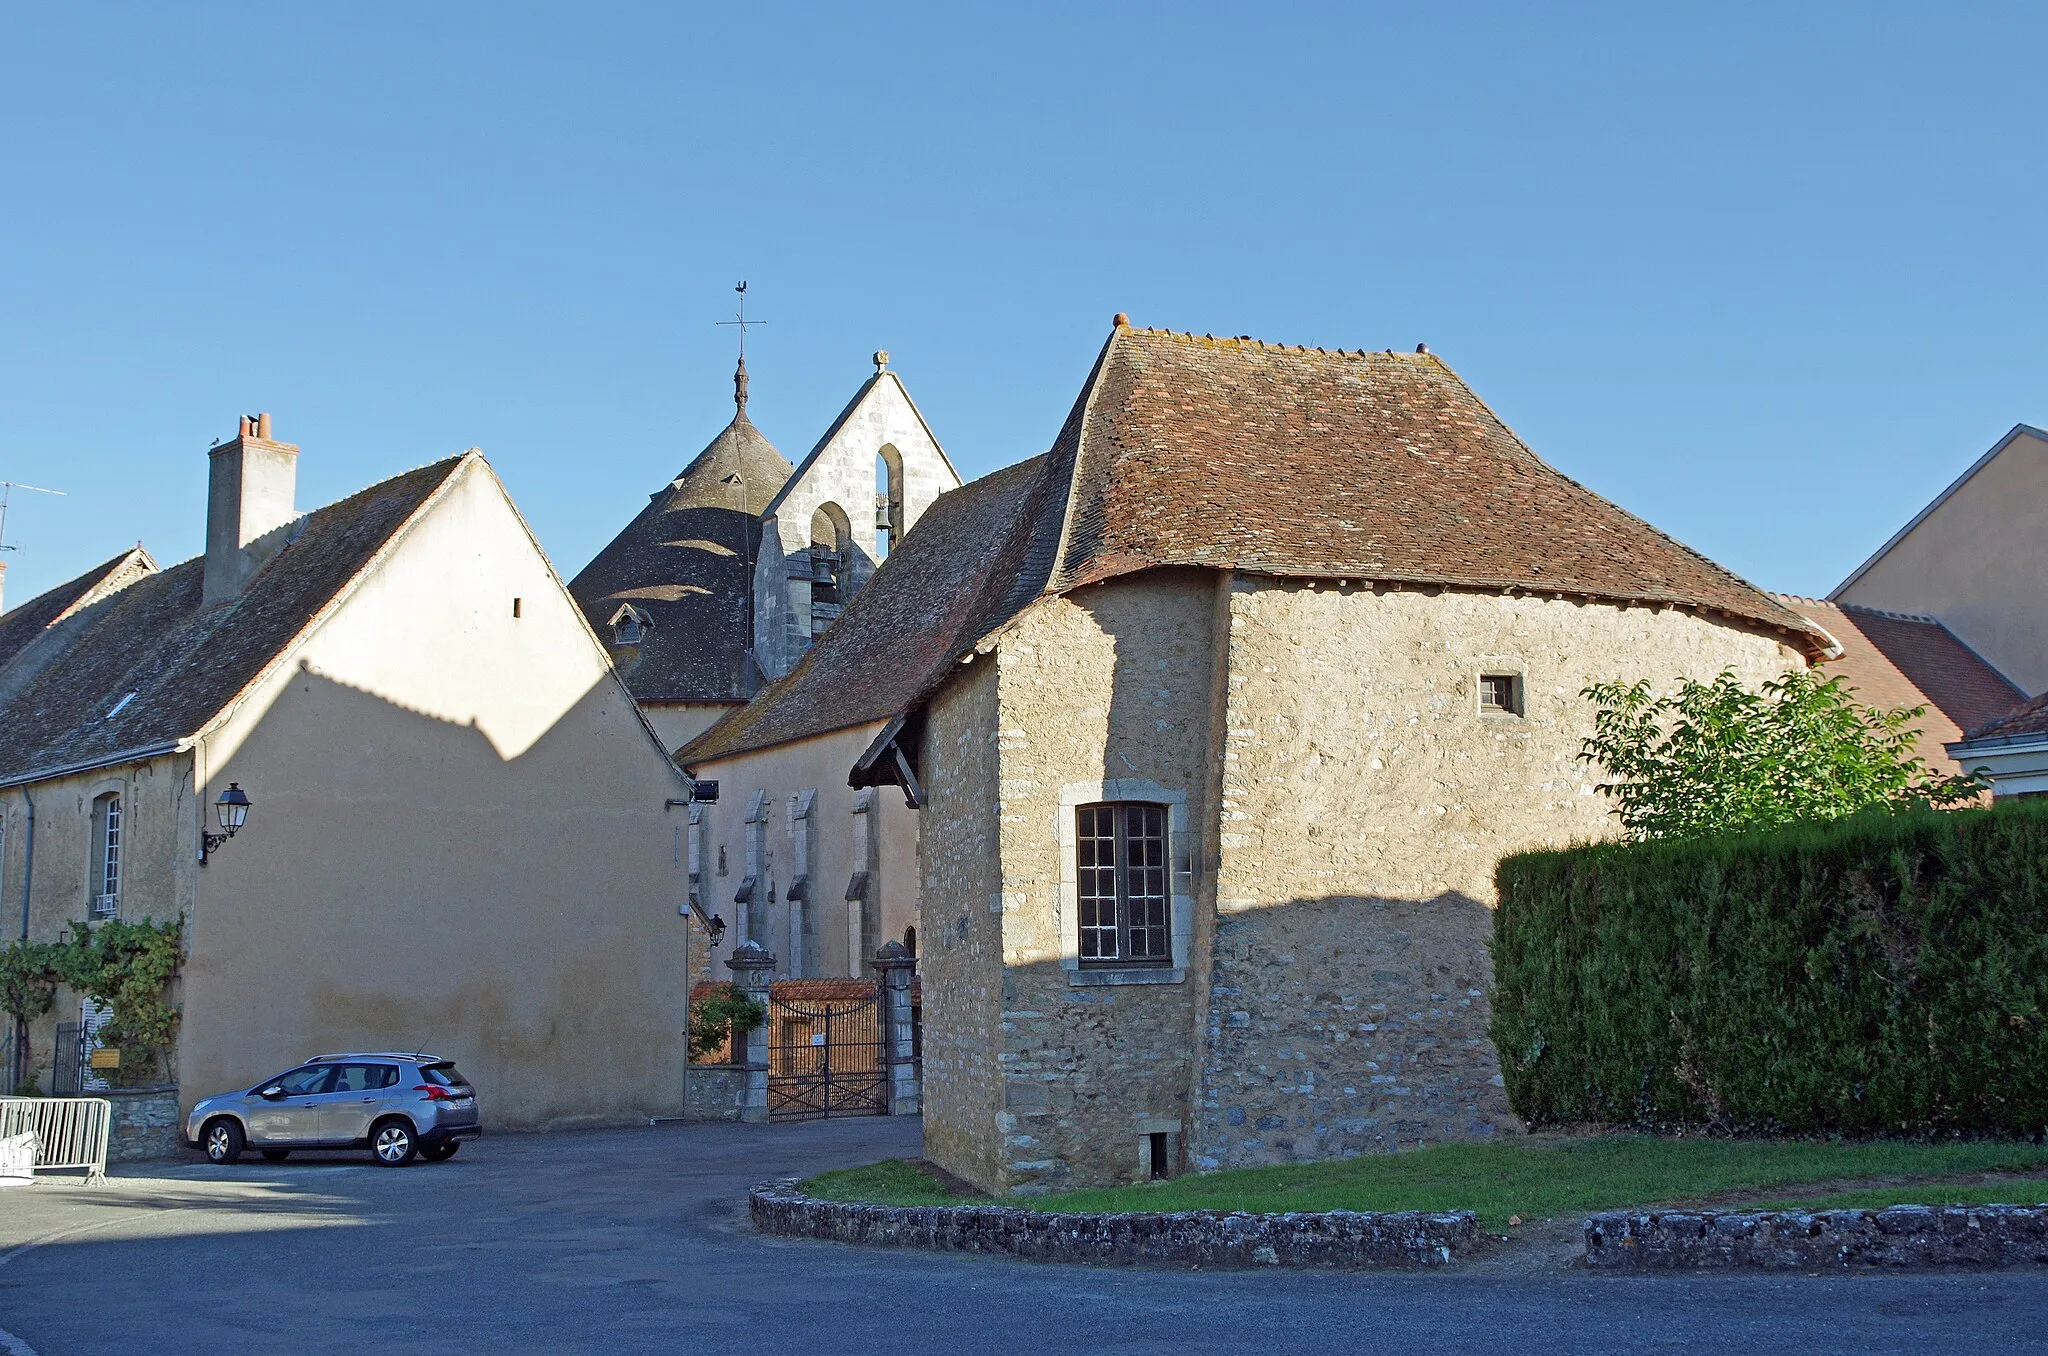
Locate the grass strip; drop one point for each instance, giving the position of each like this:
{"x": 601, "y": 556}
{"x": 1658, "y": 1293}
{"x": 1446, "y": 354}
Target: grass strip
{"x": 1537, "y": 1179}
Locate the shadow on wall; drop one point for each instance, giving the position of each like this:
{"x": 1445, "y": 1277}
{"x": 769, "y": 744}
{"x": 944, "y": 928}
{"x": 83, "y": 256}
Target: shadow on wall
{"x": 1332, "y": 1028}
{"x": 406, "y": 887}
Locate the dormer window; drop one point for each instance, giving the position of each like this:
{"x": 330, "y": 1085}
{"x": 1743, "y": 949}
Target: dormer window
{"x": 630, "y": 625}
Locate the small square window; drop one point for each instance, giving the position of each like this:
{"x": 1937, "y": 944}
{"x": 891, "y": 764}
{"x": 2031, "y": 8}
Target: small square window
{"x": 1500, "y": 693}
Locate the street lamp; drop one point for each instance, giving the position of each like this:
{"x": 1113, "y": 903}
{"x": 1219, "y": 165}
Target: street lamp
{"x": 232, "y": 809}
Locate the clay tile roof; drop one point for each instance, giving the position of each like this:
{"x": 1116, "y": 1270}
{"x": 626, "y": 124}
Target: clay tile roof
{"x": 683, "y": 564}
{"x": 1890, "y": 660}
{"x": 2025, "y": 721}
{"x": 930, "y": 601}
{"x": 1384, "y": 466}
{"x": 1240, "y": 454}
{"x": 20, "y": 627}
{"x": 186, "y": 663}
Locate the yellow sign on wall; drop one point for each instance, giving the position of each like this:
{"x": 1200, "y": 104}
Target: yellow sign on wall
{"x": 106, "y": 1059}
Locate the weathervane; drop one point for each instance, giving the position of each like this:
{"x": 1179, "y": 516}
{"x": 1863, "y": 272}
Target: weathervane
{"x": 7, "y": 489}
{"x": 739, "y": 377}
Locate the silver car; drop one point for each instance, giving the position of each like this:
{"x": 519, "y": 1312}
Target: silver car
{"x": 395, "y": 1104}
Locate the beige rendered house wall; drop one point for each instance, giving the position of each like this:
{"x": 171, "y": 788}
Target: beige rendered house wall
{"x": 159, "y": 861}
{"x": 1977, "y": 563}
{"x": 459, "y": 844}
{"x": 1343, "y": 802}
{"x": 847, "y": 831}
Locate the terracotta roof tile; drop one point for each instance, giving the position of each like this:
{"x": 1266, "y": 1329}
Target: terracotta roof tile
{"x": 1232, "y": 453}
{"x": 2027, "y": 719}
{"x": 1890, "y": 661}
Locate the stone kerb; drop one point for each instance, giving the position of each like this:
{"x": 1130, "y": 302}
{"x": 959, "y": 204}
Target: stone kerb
{"x": 1901, "y": 1236}
{"x": 1195, "y": 1238}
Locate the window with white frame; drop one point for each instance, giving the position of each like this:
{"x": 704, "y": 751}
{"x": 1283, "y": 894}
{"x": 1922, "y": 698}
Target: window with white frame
{"x": 105, "y": 883}
{"x": 1123, "y": 893}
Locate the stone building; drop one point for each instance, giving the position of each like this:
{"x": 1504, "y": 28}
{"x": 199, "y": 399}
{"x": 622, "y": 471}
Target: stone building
{"x": 722, "y": 585}
{"x": 460, "y": 836}
{"x": 1218, "y": 716}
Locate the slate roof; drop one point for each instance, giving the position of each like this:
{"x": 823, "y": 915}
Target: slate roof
{"x": 683, "y": 562}
{"x": 1230, "y": 453}
{"x": 1893, "y": 660}
{"x": 25, "y": 624}
{"x": 186, "y": 663}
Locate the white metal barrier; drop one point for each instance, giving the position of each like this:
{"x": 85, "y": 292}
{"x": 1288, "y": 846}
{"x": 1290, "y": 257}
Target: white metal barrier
{"x": 72, "y": 1131}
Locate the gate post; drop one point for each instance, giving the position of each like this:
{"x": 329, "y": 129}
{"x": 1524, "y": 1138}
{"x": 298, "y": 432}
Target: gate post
{"x": 752, "y": 968}
{"x": 906, "y": 1092}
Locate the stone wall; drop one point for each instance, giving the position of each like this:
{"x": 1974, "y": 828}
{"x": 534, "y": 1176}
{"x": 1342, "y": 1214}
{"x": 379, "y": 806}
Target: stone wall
{"x": 715, "y": 1092}
{"x": 959, "y": 942}
{"x": 1341, "y": 800}
{"x": 1802, "y": 1240}
{"x": 1366, "y": 799}
{"x": 144, "y": 1125}
{"x": 1189, "y": 1238}
{"x": 1106, "y": 695}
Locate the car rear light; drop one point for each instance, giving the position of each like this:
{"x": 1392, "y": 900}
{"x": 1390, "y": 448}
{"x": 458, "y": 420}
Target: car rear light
{"x": 434, "y": 1093}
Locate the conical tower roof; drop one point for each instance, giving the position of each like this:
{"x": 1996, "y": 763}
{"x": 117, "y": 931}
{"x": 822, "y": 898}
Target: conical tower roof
{"x": 685, "y": 567}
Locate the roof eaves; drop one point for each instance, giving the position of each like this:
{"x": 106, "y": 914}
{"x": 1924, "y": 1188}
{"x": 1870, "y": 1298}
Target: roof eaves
{"x": 2018, "y": 430}
{"x": 132, "y": 755}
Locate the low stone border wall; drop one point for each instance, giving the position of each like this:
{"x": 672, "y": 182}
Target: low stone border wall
{"x": 1901, "y": 1236}
{"x": 1205, "y": 1238}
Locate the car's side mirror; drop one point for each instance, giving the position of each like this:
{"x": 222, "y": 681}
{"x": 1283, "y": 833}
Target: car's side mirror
{"x": 272, "y": 1093}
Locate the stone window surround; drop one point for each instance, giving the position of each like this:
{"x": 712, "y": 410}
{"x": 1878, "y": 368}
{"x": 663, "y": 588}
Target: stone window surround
{"x": 1182, "y": 922}
{"x": 1501, "y": 668}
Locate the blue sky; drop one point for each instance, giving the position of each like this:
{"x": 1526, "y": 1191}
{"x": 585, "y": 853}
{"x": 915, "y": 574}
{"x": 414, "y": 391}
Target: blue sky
{"x": 1768, "y": 276}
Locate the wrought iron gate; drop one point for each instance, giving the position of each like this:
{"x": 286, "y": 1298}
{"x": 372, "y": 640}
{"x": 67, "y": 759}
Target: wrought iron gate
{"x": 826, "y": 1051}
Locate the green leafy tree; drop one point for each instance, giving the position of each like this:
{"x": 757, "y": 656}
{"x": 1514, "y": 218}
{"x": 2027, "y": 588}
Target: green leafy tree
{"x": 128, "y": 967}
{"x": 722, "y": 1014}
{"x": 1717, "y": 757}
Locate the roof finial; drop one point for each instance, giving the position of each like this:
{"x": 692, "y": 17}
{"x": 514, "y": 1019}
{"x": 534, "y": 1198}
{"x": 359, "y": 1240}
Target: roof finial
{"x": 739, "y": 376}
{"x": 881, "y": 361}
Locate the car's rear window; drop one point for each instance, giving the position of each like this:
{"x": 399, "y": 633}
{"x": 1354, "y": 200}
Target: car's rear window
{"x": 447, "y": 1075}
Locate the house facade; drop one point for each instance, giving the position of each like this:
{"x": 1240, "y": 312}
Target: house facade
{"x": 1235, "y": 698}
{"x": 1972, "y": 560}
{"x": 461, "y": 836}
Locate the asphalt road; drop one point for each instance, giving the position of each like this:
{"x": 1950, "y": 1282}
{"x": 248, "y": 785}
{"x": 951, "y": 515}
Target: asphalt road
{"x": 637, "y": 1241}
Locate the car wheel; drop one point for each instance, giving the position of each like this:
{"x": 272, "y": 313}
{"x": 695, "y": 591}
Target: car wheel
{"x": 222, "y": 1140}
{"x": 440, "y": 1153}
{"x": 394, "y": 1143}
{"x": 276, "y": 1155}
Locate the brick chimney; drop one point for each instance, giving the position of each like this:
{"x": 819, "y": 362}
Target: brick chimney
{"x": 249, "y": 495}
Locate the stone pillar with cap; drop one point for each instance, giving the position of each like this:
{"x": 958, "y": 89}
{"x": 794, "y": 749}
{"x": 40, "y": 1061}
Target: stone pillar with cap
{"x": 896, "y": 966}
{"x": 753, "y": 966}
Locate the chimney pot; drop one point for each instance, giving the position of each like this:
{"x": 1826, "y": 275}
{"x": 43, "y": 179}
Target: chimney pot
{"x": 263, "y": 427}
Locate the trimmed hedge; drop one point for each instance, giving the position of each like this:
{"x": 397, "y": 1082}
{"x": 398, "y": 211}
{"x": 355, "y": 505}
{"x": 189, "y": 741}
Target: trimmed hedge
{"x": 1887, "y": 973}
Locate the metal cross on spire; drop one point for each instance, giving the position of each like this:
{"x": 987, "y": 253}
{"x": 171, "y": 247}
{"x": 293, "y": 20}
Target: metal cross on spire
{"x": 739, "y": 376}
{"x": 7, "y": 489}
